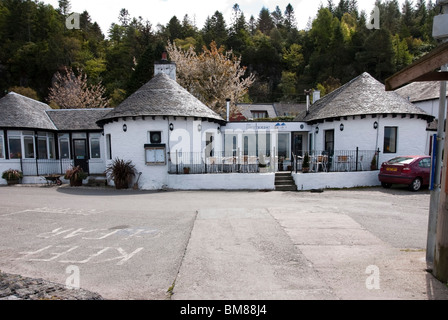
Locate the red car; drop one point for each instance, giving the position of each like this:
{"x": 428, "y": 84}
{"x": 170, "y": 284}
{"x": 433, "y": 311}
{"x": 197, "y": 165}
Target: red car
{"x": 414, "y": 171}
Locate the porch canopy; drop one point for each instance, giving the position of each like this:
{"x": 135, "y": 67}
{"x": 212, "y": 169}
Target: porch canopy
{"x": 424, "y": 69}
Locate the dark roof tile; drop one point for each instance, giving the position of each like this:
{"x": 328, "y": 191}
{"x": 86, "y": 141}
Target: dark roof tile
{"x": 363, "y": 95}
{"x": 18, "y": 111}
{"x": 77, "y": 119}
{"x": 162, "y": 96}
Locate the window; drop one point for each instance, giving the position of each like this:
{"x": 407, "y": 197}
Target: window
{"x": 425, "y": 163}
{"x": 329, "y": 141}
{"x": 95, "y": 147}
{"x": 109, "y": 146}
{"x": 2, "y": 146}
{"x": 28, "y": 144}
{"x": 155, "y": 154}
{"x": 250, "y": 144}
{"x": 390, "y": 139}
{"x": 64, "y": 146}
{"x": 284, "y": 145}
{"x": 264, "y": 144}
{"x": 15, "y": 147}
{"x": 42, "y": 147}
{"x": 45, "y": 146}
{"x": 259, "y": 114}
{"x": 155, "y": 137}
{"x": 231, "y": 144}
{"x": 209, "y": 145}
{"x": 51, "y": 147}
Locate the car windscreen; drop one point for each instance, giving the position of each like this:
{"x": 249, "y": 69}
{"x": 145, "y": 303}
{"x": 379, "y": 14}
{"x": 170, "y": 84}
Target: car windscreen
{"x": 401, "y": 160}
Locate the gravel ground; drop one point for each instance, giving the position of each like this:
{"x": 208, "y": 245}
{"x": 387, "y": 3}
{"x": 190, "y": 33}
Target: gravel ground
{"x": 15, "y": 287}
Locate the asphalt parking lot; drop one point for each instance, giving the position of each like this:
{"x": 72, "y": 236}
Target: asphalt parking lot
{"x": 339, "y": 244}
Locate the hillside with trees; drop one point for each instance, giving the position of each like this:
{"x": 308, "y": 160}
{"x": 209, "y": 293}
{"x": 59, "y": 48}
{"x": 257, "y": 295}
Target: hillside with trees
{"x": 280, "y": 60}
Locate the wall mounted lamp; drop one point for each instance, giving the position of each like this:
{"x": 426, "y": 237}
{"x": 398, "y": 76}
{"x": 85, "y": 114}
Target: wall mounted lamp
{"x": 375, "y": 125}
{"x": 317, "y": 130}
{"x": 171, "y": 127}
{"x": 341, "y": 127}
{"x": 125, "y": 128}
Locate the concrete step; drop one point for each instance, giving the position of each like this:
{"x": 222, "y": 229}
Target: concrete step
{"x": 286, "y": 188}
{"x": 284, "y": 182}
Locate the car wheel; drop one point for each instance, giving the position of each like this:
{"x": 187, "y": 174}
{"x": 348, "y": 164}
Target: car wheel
{"x": 416, "y": 185}
{"x": 386, "y": 185}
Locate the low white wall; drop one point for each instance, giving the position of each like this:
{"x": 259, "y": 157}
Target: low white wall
{"x": 231, "y": 181}
{"x": 310, "y": 181}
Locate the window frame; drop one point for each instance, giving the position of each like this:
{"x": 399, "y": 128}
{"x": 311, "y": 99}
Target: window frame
{"x": 2, "y": 145}
{"x": 288, "y": 144}
{"x": 390, "y": 140}
{"x": 155, "y": 148}
{"x": 97, "y": 139}
{"x": 109, "y": 146}
{"x": 64, "y": 138}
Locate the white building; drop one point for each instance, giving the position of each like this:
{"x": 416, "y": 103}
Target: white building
{"x": 164, "y": 130}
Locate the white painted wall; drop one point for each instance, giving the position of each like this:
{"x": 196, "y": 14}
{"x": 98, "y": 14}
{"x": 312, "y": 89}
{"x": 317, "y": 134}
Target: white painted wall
{"x": 310, "y": 181}
{"x": 412, "y": 135}
{"x": 231, "y": 181}
{"x": 429, "y": 106}
{"x": 185, "y": 137}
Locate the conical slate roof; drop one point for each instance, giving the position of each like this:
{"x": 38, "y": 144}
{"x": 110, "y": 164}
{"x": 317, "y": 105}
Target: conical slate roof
{"x": 162, "y": 96}
{"x": 18, "y": 111}
{"x": 420, "y": 91}
{"x": 363, "y": 95}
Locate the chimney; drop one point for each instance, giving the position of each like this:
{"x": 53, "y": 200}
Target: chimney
{"x": 228, "y": 110}
{"x": 165, "y": 66}
{"x": 316, "y": 96}
{"x": 308, "y": 92}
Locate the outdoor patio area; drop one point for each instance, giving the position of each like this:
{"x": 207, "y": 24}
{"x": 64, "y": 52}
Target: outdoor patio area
{"x": 239, "y": 162}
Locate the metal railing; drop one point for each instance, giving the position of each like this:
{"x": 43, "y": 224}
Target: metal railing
{"x": 217, "y": 162}
{"x": 338, "y": 160}
{"x": 241, "y": 162}
{"x": 42, "y": 167}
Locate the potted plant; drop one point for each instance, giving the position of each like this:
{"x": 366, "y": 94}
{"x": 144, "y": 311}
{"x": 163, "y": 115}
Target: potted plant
{"x": 121, "y": 172}
{"x": 186, "y": 170}
{"x": 306, "y": 163}
{"x": 76, "y": 176}
{"x": 12, "y": 176}
{"x": 373, "y": 165}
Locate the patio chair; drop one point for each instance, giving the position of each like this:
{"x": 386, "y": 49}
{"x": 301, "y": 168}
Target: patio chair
{"x": 360, "y": 161}
{"x": 252, "y": 162}
{"x": 320, "y": 161}
{"x": 343, "y": 161}
{"x": 212, "y": 164}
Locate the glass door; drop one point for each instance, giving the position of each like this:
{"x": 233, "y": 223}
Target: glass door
{"x": 80, "y": 154}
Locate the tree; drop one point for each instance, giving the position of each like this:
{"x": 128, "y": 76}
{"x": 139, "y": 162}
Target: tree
{"x": 64, "y": 6}
{"x": 215, "y": 29}
{"x": 70, "y": 91}
{"x": 290, "y": 19}
{"x": 265, "y": 22}
{"x": 213, "y": 76}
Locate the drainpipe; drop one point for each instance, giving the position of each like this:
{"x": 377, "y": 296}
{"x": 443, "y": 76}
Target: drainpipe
{"x": 228, "y": 110}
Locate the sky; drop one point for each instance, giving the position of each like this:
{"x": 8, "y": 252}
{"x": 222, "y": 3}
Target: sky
{"x": 105, "y": 12}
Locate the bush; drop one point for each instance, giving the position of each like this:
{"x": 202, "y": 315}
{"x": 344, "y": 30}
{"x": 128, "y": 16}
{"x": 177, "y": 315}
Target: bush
{"x": 76, "y": 175}
{"x": 11, "y": 174}
{"x": 121, "y": 172}
{"x": 306, "y": 163}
